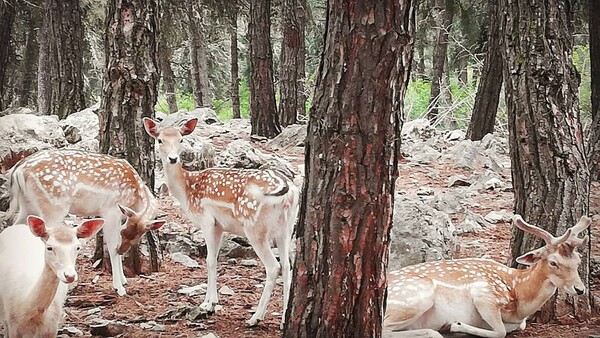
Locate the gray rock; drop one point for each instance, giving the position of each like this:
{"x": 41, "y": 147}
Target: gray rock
{"x": 4, "y": 193}
{"x": 248, "y": 262}
{"x": 70, "y": 331}
{"x": 85, "y": 126}
{"x": 473, "y": 223}
{"x": 418, "y": 129}
{"x": 498, "y": 216}
{"x": 204, "y": 116}
{"x": 72, "y": 134}
{"x": 493, "y": 183}
{"x": 242, "y": 154}
{"x": 193, "y": 290}
{"x": 209, "y": 335}
{"x": 422, "y": 153}
{"x": 152, "y": 326}
{"x": 226, "y": 290}
{"x": 465, "y": 155}
{"x": 184, "y": 260}
{"x": 19, "y": 110}
{"x": 458, "y": 181}
{"x": 419, "y": 232}
{"x": 425, "y": 191}
{"x": 455, "y": 135}
{"x": 23, "y": 135}
{"x": 291, "y": 136}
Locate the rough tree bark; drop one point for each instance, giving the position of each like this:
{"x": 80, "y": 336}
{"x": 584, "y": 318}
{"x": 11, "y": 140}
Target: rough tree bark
{"x": 235, "y": 77}
{"x": 292, "y": 98}
{"x": 488, "y": 91}
{"x": 30, "y": 57}
{"x": 200, "y": 83}
{"x": 165, "y": 53}
{"x": 594, "y": 40}
{"x": 263, "y": 109}
{"x": 440, "y": 55}
{"x": 549, "y": 168}
{"x": 129, "y": 92}
{"x": 60, "y": 64}
{"x": 338, "y": 287}
{"x": 7, "y": 18}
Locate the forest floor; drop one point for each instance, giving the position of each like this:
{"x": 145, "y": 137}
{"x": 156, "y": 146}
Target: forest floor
{"x": 154, "y": 297}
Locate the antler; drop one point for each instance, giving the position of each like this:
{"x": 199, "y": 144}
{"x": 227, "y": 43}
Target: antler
{"x": 541, "y": 233}
{"x": 581, "y": 226}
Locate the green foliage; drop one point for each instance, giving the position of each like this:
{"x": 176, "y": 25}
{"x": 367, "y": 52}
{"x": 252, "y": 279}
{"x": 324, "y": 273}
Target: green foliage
{"x": 224, "y": 109}
{"x": 185, "y": 101}
{"x": 581, "y": 59}
{"x": 416, "y": 100}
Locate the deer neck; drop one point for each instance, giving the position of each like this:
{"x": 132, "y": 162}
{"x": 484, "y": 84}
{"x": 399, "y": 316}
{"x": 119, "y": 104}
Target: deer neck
{"x": 176, "y": 178}
{"x": 533, "y": 289}
{"x": 43, "y": 292}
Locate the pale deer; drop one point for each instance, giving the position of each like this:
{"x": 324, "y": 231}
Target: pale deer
{"x": 53, "y": 183}
{"x": 482, "y": 297}
{"x": 258, "y": 204}
{"x": 36, "y": 264}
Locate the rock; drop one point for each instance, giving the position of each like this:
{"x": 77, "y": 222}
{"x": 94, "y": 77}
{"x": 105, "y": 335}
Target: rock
{"x": 210, "y": 335}
{"x": 248, "y": 262}
{"x": 226, "y": 290}
{"x": 419, "y": 232}
{"x": 458, "y": 181}
{"x": 72, "y": 134}
{"x": 204, "y": 116}
{"x": 19, "y": 110}
{"x": 493, "y": 183}
{"x": 242, "y": 154}
{"x": 3, "y": 222}
{"x": 108, "y": 329}
{"x": 184, "y": 260}
{"x": 422, "y": 153}
{"x": 465, "y": 155}
{"x": 473, "y": 223}
{"x": 455, "y": 135}
{"x": 418, "y": 129}
{"x": 23, "y": 135}
{"x": 425, "y": 191}
{"x": 86, "y": 125}
{"x": 197, "y": 153}
{"x": 70, "y": 331}
{"x": 152, "y": 326}
{"x": 193, "y": 290}
{"x": 4, "y": 193}
{"x": 291, "y": 136}
{"x": 501, "y": 216}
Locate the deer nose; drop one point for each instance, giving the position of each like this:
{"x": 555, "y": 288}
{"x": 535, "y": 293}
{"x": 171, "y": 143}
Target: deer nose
{"x": 579, "y": 291}
{"x": 173, "y": 160}
{"x": 69, "y": 278}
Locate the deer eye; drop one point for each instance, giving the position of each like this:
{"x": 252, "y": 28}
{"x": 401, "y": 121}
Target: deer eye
{"x": 159, "y": 141}
{"x": 553, "y": 264}
{"x": 49, "y": 248}
{"x": 78, "y": 248}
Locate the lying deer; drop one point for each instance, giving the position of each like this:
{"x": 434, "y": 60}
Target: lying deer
{"x": 53, "y": 183}
{"x": 258, "y": 204}
{"x": 481, "y": 297}
{"x": 36, "y": 264}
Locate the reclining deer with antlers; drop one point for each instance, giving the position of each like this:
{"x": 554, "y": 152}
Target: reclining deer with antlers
{"x": 482, "y": 297}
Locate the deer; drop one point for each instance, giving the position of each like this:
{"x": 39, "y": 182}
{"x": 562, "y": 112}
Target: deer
{"x": 481, "y": 297}
{"x": 259, "y": 204}
{"x": 54, "y": 183}
{"x": 37, "y": 262}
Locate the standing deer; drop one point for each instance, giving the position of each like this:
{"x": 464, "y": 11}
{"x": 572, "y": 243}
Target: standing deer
{"x": 258, "y": 204}
{"x": 36, "y": 264}
{"x": 53, "y": 183}
{"x": 482, "y": 297}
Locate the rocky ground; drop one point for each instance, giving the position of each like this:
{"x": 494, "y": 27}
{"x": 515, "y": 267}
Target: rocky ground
{"x": 453, "y": 199}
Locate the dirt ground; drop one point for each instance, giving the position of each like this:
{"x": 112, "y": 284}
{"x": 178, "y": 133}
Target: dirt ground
{"x": 150, "y": 297}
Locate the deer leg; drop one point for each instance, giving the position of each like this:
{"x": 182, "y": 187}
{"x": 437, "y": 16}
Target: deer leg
{"x": 283, "y": 245}
{"x": 263, "y": 250}
{"x": 213, "y": 235}
{"x": 488, "y": 312}
{"x": 422, "y": 333}
{"x": 112, "y": 236}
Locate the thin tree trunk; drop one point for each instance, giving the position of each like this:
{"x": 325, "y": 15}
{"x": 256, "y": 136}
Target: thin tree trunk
{"x": 485, "y": 108}
{"x": 463, "y": 68}
{"x": 29, "y": 58}
{"x": 7, "y": 18}
{"x": 440, "y": 55}
{"x": 291, "y": 83}
{"x": 200, "y": 83}
{"x": 235, "y": 78}
{"x": 60, "y": 69}
{"x": 338, "y": 287}
{"x": 263, "y": 109}
{"x": 594, "y": 40}
{"x": 129, "y": 92}
{"x": 549, "y": 169}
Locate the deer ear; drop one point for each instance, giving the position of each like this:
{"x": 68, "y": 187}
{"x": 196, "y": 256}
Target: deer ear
{"x": 151, "y": 127}
{"x": 531, "y": 257}
{"x": 126, "y": 211}
{"x": 89, "y": 228}
{"x": 37, "y": 226}
{"x": 155, "y": 225}
{"x": 188, "y": 127}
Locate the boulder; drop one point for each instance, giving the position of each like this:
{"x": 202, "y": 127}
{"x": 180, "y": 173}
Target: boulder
{"x": 19, "y": 110}
{"x": 421, "y": 152}
{"x": 204, "y": 116}
{"x": 82, "y": 129}
{"x": 242, "y": 154}
{"x": 292, "y": 136}
{"x": 418, "y": 129}
{"x": 419, "y": 233}
{"x": 4, "y": 193}
{"x": 466, "y": 155}
{"x": 23, "y": 135}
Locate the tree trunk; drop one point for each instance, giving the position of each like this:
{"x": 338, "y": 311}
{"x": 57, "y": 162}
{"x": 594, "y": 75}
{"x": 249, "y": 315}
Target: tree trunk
{"x": 488, "y": 92}
{"x": 165, "y": 53}
{"x": 263, "y": 110}
{"x": 440, "y": 55}
{"x": 129, "y": 91}
{"x": 60, "y": 67}
{"x": 200, "y": 83}
{"x": 352, "y": 150}
{"x": 463, "y": 68}
{"x": 594, "y": 40}
{"x": 421, "y": 63}
{"x": 30, "y": 58}
{"x": 235, "y": 77}
{"x": 7, "y": 18}
{"x": 549, "y": 170}
{"x": 292, "y": 99}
